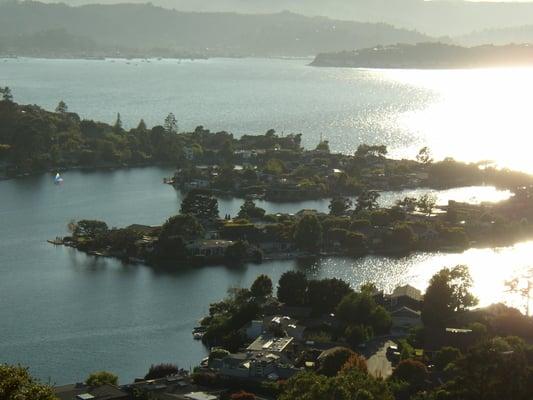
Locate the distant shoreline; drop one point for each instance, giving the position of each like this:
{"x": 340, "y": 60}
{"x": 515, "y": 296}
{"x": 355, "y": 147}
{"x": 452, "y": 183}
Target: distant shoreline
{"x": 429, "y": 56}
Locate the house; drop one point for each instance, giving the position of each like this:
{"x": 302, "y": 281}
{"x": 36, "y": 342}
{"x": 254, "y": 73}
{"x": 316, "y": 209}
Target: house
{"x": 257, "y": 365}
{"x": 285, "y": 324}
{"x": 209, "y": 247}
{"x": 405, "y": 318}
{"x": 174, "y": 387}
{"x": 270, "y": 343}
{"x": 81, "y": 391}
{"x": 405, "y": 296}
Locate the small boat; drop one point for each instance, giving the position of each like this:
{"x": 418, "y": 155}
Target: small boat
{"x": 58, "y": 180}
{"x": 198, "y": 335}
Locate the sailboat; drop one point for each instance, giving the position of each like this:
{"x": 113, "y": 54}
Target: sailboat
{"x": 58, "y": 180}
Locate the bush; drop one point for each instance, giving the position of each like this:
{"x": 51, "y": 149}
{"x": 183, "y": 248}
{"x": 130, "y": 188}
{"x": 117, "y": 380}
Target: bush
{"x": 161, "y": 370}
{"x": 332, "y": 360}
{"x": 101, "y": 378}
{"x": 242, "y": 395}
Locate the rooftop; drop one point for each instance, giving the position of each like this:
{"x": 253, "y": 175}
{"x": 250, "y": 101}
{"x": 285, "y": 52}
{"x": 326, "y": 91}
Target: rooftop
{"x": 270, "y": 343}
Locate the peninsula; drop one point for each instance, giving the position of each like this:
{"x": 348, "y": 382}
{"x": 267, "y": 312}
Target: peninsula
{"x": 429, "y": 56}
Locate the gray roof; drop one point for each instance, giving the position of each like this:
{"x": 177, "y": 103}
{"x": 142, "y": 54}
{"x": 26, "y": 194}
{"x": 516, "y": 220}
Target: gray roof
{"x": 80, "y": 391}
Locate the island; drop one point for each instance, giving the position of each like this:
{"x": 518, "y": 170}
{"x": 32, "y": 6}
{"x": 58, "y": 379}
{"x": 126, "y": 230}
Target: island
{"x": 199, "y": 236}
{"x": 429, "y": 55}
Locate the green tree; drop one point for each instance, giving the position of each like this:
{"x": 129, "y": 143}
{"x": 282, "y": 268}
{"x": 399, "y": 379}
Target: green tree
{"x": 493, "y": 370}
{"x": 367, "y": 201}
{"x": 16, "y": 383}
{"x": 356, "y": 308}
{"x": 201, "y": 204}
{"x": 117, "y": 128}
{"x": 402, "y": 236}
{"x": 414, "y": 374}
{"x": 365, "y": 150}
{"x": 448, "y": 293}
{"x": 7, "y": 95}
{"x": 426, "y": 204}
{"x": 424, "y": 156}
{"x": 357, "y": 334}
{"x": 170, "y": 124}
{"x": 184, "y": 225}
{"x": 323, "y": 146}
{"x": 262, "y": 286}
{"x": 101, "y": 378}
{"x": 274, "y": 167}
{"x": 339, "y": 206}
{"x": 292, "y": 288}
{"x": 331, "y": 361}
{"x": 325, "y": 294}
{"x": 309, "y": 386}
{"x": 89, "y": 228}
{"x": 237, "y": 252}
{"x": 142, "y": 126}
{"x": 249, "y": 210}
{"x": 227, "y": 154}
{"x": 308, "y": 233}
{"x": 445, "y": 356}
{"x": 61, "y": 107}
{"x": 161, "y": 370}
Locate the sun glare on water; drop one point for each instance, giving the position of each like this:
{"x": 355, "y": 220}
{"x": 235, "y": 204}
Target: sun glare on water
{"x": 478, "y": 114}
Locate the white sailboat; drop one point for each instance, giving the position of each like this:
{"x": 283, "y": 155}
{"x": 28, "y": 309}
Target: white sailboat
{"x": 58, "y": 180}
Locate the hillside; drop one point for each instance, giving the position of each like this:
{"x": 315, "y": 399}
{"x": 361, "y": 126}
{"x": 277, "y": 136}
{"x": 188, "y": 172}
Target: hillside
{"x": 436, "y": 17}
{"x": 429, "y": 55}
{"x": 145, "y": 29}
{"x": 519, "y": 34}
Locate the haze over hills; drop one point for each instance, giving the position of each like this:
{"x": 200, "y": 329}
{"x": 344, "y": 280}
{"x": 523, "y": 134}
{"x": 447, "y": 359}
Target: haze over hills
{"x": 435, "y": 18}
{"x": 33, "y": 28}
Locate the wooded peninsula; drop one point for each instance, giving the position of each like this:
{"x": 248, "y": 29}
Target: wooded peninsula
{"x": 429, "y": 55}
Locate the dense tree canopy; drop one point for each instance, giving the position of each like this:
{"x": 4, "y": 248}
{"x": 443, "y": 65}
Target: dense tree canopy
{"x": 16, "y": 383}
{"x": 201, "y": 204}
{"x": 448, "y": 293}
{"x": 308, "y": 233}
{"x": 292, "y": 288}
{"x": 262, "y": 286}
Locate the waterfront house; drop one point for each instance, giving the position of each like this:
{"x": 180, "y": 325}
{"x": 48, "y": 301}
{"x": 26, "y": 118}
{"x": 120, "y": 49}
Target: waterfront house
{"x": 209, "y": 247}
{"x": 405, "y": 296}
{"x": 257, "y": 365}
{"x": 284, "y": 323}
{"x": 271, "y": 344}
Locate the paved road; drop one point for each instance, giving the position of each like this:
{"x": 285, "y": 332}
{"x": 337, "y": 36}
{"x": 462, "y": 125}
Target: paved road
{"x": 378, "y": 364}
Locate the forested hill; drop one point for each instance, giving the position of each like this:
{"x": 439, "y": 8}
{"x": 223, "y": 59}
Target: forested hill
{"x": 33, "y": 28}
{"x": 33, "y": 139}
{"x": 429, "y": 55}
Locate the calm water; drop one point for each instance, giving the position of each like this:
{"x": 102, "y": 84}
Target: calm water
{"x": 467, "y": 114}
{"x": 66, "y": 314}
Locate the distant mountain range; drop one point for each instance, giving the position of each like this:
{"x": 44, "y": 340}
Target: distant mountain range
{"x": 429, "y": 55}
{"x": 435, "y": 18}
{"x": 519, "y": 34}
{"x": 33, "y": 28}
